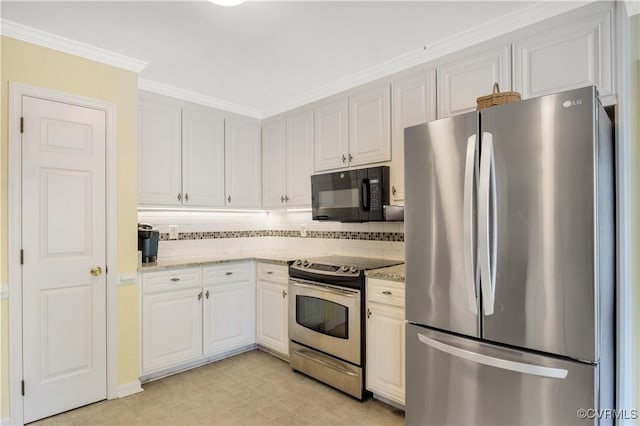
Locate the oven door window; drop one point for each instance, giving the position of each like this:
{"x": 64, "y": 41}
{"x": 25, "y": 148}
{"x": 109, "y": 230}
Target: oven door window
{"x": 323, "y": 316}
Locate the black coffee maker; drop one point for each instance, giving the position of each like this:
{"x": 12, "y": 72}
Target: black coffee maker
{"x": 148, "y": 242}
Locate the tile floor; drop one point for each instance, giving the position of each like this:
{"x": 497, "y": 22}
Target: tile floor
{"x": 253, "y": 388}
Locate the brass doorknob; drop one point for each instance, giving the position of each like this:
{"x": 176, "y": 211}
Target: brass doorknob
{"x": 95, "y": 270}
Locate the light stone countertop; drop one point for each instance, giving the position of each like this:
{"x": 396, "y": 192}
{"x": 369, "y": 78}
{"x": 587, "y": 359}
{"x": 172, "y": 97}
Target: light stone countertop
{"x": 391, "y": 273}
{"x": 276, "y": 257}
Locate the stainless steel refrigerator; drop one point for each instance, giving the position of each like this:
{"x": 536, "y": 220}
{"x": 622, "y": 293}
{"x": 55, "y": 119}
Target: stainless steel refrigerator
{"x": 510, "y": 279}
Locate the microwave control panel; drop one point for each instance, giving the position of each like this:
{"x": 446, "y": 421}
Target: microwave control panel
{"x": 375, "y": 194}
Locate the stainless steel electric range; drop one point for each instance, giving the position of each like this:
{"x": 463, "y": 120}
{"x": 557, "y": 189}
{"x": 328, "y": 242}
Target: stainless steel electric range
{"x": 326, "y": 319}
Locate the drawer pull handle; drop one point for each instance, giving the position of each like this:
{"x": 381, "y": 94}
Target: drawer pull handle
{"x": 175, "y": 279}
{"x": 228, "y": 273}
{"x": 269, "y": 272}
{"x": 387, "y": 293}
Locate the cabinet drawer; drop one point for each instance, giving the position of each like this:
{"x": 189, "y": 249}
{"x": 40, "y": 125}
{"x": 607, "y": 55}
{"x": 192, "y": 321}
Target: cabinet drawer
{"x": 273, "y": 273}
{"x": 176, "y": 279}
{"x": 226, "y": 273}
{"x": 387, "y": 292}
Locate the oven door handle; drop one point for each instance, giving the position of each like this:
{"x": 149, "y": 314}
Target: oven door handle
{"x": 311, "y": 285}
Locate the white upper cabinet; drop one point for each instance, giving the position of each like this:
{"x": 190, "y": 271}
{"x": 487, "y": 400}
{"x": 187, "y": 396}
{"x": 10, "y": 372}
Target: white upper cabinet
{"x": 566, "y": 57}
{"x": 299, "y": 159}
{"x": 332, "y": 135}
{"x": 370, "y": 126}
{"x": 414, "y": 102}
{"x": 159, "y": 148}
{"x": 202, "y": 158}
{"x": 354, "y": 131}
{"x": 287, "y": 161}
{"x": 242, "y": 163}
{"x": 462, "y": 80}
{"x": 274, "y": 160}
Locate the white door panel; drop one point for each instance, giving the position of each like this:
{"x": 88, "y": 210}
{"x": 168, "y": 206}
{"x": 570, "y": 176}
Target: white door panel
{"x": 331, "y": 135}
{"x": 274, "y": 170}
{"x": 64, "y": 316}
{"x": 299, "y": 159}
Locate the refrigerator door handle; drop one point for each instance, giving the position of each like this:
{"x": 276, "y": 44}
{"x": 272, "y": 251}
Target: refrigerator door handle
{"x": 467, "y": 213}
{"x": 487, "y": 217}
{"x": 504, "y": 364}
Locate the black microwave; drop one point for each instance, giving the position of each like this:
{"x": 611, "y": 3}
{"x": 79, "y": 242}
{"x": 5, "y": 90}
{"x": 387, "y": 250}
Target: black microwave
{"x": 350, "y": 195}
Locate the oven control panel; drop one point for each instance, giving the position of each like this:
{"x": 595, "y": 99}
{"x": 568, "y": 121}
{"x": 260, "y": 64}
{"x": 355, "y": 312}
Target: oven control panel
{"x": 326, "y": 269}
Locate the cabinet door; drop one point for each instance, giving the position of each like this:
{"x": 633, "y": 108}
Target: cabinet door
{"x": 171, "y": 328}
{"x": 565, "y": 58}
{"x": 272, "y": 321}
{"x": 228, "y": 317}
{"x": 370, "y": 126}
{"x": 159, "y": 150}
{"x": 299, "y": 159}
{"x": 274, "y": 171}
{"x": 462, "y": 81}
{"x": 202, "y": 159}
{"x": 414, "y": 102}
{"x": 242, "y": 163}
{"x": 385, "y": 351}
{"x": 331, "y": 133}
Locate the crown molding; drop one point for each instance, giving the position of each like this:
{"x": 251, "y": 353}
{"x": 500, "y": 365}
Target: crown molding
{"x": 475, "y": 35}
{"x": 197, "y": 98}
{"x": 633, "y": 7}
{"x": 66, "y": 45}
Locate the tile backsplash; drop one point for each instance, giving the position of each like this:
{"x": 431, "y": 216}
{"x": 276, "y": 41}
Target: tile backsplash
{"x": 200, "y": 233}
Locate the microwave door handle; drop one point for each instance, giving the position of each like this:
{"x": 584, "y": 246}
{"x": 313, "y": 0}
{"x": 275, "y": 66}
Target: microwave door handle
{"x": 365, "y": 194}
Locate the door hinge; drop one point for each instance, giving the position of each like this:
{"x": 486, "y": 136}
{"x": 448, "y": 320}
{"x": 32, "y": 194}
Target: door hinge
{"x": 23, "y": 388}
{"x": 21, "y": 124}
{"x": 22, "y": 256}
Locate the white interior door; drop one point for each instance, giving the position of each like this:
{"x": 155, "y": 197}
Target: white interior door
{"x": 63, "y": 231}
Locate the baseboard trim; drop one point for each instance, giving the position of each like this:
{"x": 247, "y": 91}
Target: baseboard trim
{"x": 156, "y": 375}
{"x": 129, "y": 389}
{"x": 388, "y": 401}
{"x": 274, "y": 353}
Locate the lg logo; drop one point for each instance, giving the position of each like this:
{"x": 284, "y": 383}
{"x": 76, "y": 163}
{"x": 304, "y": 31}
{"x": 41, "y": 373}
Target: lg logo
{"x": 568, "y": 104}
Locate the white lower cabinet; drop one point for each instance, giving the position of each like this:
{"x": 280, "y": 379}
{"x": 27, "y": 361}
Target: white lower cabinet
{"x": 171, "y": 318}
{"x": 385, "y": 339}
{"x": 229, "y": 306}
{"x": 191, "y": 314}
{"x": 272, "y": 308}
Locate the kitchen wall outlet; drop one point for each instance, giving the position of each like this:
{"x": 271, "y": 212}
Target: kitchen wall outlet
{"x": 173, "y": 232}
{"x": 303, "y": 230}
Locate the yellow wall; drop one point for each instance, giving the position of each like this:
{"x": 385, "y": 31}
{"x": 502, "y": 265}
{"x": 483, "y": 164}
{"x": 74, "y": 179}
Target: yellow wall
{"x": 38, "y": 66}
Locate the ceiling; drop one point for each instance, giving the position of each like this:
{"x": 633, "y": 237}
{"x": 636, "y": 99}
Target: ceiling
{"x": 263, "y": 55}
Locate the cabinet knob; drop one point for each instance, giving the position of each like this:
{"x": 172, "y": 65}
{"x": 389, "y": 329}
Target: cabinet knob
{"x": 282, "y": 198}
{"x": 200, "y": 296}
{"x": 229, "y": 198}
{"x": 179, "y": 197}
{"x": 368, "y": 313}
{"x": 350, "y": 157}
{"x": 286, "y": 198}
{"x": 393, "y": 190}
{"x": 344, "y": 159}
{"x": 206, "y": 294}
{"x": 284, "y": 293}
{"x": 387, "y": 293}
{"x": 186, "y": 197}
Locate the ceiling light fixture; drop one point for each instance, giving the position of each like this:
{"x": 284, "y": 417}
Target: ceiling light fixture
{"x": 227, "y": 2}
